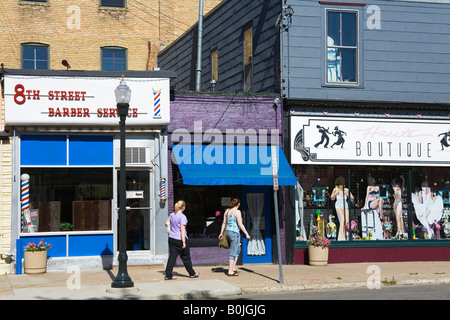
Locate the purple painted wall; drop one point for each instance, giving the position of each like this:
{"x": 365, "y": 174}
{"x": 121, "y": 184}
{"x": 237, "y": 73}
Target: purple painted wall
{"x": 224, "y": 112}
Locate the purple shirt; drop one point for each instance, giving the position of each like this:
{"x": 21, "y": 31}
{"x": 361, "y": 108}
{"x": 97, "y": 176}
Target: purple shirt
{"x": 176, "y": 221}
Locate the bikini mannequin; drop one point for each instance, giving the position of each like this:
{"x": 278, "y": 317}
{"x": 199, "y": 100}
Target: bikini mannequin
{"x": 343, "y": 215}
{"x": 398, "y": 186}
{"x": 372, "y": 199}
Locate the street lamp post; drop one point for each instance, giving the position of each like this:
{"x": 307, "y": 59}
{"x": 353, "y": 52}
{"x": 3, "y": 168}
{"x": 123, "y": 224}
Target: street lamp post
{"x": 122, "y": 280}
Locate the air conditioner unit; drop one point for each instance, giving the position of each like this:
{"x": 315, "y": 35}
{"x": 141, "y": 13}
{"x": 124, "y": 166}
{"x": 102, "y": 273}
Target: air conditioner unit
{"x": 136, "y": 155}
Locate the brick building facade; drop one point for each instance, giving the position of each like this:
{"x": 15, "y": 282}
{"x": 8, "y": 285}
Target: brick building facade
{"x": 77, "y": 32}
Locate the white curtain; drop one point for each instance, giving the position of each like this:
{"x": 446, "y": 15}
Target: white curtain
{"x": 256, "y": 246}
{"x": 300, "y": 226}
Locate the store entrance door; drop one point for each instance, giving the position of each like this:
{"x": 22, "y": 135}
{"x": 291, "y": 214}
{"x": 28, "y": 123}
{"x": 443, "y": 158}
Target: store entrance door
{"x": 138, "y": 209}
{"x": 257, "y": 211}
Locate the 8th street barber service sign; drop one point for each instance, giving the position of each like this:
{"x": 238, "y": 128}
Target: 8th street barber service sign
{"x": 51, "y": 100}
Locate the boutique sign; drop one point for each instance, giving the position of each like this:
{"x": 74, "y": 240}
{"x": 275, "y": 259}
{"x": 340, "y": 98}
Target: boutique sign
{"x": 54, "y": 100}
{"x": 319, "y": 140}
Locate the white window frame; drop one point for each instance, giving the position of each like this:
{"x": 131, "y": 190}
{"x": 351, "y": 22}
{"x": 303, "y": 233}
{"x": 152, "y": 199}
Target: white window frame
{"x": 356, "y": 48}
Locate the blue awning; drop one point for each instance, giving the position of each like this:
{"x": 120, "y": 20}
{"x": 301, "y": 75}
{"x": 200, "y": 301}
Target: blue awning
{"x": 231, "y": 165}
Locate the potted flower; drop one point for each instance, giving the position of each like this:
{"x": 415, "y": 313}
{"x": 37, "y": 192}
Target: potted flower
{"x": 318, "y": 250}
{"x": 35, "y": 257}
{"x": 66, "y": 226}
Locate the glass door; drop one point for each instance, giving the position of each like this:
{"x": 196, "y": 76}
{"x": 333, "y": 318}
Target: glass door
{"x": 257, "y": 218}
{"x": 138, "y": 209}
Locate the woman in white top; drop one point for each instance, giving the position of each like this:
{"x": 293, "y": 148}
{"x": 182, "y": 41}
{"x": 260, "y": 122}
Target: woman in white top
{"x": 341, "y": 194}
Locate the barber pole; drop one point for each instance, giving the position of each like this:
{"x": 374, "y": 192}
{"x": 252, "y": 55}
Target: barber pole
{"x": 163, "y": 189}
{"x": 25, "y": 198}
{"x": 156, "y": 100}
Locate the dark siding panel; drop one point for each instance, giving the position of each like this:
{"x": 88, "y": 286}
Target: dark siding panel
{"x": 222, "y": 29}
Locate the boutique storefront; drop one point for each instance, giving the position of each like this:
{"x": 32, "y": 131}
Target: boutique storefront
{"x": 66, "y": 143}
{"x": 397, "y": 179}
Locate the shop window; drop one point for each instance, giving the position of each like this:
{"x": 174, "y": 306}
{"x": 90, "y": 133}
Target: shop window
{"x": 114, "y": 58}
{"x": 35, "y": 56}
{"x": 382, "y": 203}
{"x": 205, "y": 206}
{"x": 342, "y": 46}
{"x": 77, "y": 199}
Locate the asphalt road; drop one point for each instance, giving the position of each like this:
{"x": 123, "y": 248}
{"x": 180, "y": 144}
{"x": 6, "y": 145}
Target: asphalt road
{"x": 412, "y": 292}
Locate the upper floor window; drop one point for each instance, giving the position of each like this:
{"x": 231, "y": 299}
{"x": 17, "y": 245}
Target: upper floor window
{"x": 35, "y": 56}
{"x": 342, "y": 46}
{"x": 114, "y": 58}
{"x": 248, "y": 58}
{"x": 113, "y": 3}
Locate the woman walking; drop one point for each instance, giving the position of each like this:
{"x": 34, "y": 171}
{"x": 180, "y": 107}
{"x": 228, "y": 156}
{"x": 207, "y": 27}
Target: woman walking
{"x": 177, "y": 242}
{"x": 232, "y": 221}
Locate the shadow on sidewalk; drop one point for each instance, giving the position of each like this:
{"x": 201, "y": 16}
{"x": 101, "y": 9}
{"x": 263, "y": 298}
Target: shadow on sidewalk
{"x": 257, "y": 273}
{"x": 225, "y": 271}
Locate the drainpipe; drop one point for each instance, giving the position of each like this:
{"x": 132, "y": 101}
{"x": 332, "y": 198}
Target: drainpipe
{"x": 199, "y": 47}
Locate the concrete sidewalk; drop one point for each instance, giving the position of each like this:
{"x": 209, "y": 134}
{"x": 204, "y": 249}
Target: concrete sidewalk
{"x": 149, "y": 283}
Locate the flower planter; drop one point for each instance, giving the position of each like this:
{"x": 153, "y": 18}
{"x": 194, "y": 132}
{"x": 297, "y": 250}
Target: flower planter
{"x": 35, "y": 261}
{"x": 318, "y": 256}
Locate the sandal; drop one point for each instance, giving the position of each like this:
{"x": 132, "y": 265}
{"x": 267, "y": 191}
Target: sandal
{"x": 195, "y": 275}
{"x": 171, "y": 278}
{"x": 232, "y": 274}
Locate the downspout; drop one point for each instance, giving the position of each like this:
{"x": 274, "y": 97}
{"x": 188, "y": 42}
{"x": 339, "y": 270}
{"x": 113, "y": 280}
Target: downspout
{"x": 199, "y": 47}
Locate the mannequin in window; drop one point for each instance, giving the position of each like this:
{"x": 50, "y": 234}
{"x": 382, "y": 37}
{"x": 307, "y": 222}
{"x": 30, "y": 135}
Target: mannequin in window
{"x": 341, "y": 194}
{"x": 398, "y": 187}
{"x": 428, "y": 208}
{"x": 373, "y": 201}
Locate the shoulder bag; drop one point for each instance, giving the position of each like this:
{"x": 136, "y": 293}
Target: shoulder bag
{"x": 223, "y": 242}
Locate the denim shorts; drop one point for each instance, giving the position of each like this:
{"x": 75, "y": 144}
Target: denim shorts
{"x": 235, "y": 244}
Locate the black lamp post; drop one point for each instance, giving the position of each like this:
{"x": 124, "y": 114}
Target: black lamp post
{"x": 122, "y": 280}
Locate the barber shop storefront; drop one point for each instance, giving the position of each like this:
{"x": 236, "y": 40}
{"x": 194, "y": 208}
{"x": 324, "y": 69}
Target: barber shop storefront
{"x": 396, "y": 174}
{"x": 66, "y": 161}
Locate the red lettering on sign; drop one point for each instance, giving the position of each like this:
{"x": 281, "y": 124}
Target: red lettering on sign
{"x": 19, "y": 97}
{"x": 68, "y": 112}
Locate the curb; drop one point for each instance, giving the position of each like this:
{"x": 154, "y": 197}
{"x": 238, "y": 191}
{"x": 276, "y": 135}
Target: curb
{"x": 346, "y": 285}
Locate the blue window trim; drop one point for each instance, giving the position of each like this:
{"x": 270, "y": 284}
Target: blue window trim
{"x": 66, "y": 150}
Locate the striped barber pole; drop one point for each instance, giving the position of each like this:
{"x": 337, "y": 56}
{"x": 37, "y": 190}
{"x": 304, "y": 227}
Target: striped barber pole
{"x": 156, "y": 100}
{"x": 25, "y": 196}
{"x": 163, "y": 188}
